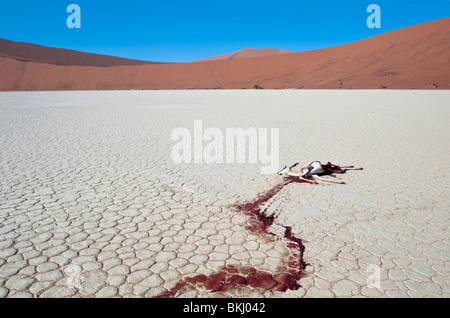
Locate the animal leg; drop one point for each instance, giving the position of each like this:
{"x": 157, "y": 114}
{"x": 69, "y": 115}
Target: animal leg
{"x": 307, "y": 180}
{"x": 321, "y": 179}
{"x": 350, "y": 168}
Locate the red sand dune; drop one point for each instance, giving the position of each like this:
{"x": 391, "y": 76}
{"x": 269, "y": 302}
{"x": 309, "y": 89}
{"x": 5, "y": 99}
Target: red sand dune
{"x": 247, "y": 53}
{"x": 28, "y": 52}
{"x": 413, "y": 57}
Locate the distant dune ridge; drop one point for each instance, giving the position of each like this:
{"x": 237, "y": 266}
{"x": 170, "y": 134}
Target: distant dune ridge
{"x": 416, "y": 57}
{"x": 28, "y": 52}
{"x": 248, "y": 53}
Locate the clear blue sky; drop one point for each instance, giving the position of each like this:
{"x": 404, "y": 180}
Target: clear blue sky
{"x": 182, "y": 31}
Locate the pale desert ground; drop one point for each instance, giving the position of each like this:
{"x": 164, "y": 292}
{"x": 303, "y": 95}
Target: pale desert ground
{"x": 92, "y": 205}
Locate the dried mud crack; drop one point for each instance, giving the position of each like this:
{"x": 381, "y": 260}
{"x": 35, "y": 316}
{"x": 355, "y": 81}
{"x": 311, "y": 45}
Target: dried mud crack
{"x": 231, "y": 277}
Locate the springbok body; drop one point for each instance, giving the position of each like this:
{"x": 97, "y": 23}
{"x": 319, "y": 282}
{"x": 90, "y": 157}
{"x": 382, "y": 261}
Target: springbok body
{"x": 314, "y": 170}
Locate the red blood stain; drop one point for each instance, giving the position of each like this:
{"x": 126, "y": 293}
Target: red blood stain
{"x": 231, "y": 277}
{"x": 260, "y": 222}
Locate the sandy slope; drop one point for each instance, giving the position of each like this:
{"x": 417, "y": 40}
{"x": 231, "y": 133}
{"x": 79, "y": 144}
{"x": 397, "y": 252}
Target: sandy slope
{"x": 414, "y": 57}
{"x": 28, "y": 52}
{"x": 248, "y": 53}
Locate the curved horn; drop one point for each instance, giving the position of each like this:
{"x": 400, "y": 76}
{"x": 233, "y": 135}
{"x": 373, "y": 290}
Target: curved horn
{"x": 293, "y": 166}
{"x": 279, "y": 172}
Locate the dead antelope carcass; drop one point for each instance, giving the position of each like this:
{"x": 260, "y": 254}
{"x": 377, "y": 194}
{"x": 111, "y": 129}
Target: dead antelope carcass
{"x": 316, "y": 169}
